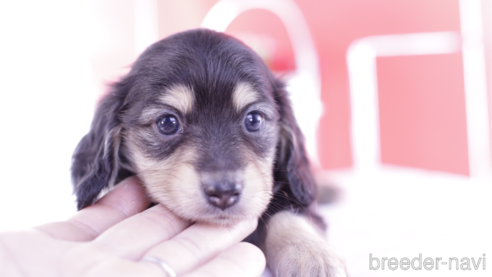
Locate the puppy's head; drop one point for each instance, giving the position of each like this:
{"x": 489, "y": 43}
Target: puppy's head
{"x": 206, "y": 127}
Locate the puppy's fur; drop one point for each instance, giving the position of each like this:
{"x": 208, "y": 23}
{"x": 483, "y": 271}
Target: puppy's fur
{"x": 211, "y": 84}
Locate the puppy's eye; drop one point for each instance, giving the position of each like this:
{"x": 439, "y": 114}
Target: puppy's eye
{"x": 168, "y": 125}
{"x": 253, "y": 121}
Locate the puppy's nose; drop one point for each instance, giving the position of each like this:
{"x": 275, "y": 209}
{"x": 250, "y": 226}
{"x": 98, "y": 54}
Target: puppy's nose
{"x": 223, "y": 194}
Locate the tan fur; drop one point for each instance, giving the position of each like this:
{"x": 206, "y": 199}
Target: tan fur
{"x": 115, "y": 134}
{"x": 172, "y": 181}
{"x": 244, "y": 95}
{"x": 180, "y": 97}
{"x": 149, "y": 114}
{"x": 258, "y": 183}
{"x": 175, "y": 183}
{"x": 294, "y": 248}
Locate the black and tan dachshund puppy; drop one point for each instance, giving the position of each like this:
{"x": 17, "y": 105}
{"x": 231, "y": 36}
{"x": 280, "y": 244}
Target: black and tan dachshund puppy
{"x": 210, "y": 131}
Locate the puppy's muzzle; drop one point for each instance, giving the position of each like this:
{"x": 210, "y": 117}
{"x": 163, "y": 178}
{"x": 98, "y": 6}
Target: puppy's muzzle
{"x": 223, "y": 194}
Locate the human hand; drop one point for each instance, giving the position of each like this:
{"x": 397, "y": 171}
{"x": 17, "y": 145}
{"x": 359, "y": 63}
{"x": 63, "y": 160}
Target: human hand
{"x": 111, "y": 237}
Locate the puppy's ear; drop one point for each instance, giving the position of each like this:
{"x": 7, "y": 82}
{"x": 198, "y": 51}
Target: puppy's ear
{"x": 95, "y": 160}
{"x": 292, "y": 164}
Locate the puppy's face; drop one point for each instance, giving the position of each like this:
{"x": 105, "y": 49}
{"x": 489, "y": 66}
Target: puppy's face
{"x": 205, "y": 152}
{"x": 205, "y": 125}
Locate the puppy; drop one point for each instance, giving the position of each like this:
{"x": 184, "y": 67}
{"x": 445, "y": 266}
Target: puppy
{"x": 208, "y": 129}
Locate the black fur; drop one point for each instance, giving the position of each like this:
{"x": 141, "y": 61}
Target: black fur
{"x": 291, "y": 163}
{"x": 95, "y": 157}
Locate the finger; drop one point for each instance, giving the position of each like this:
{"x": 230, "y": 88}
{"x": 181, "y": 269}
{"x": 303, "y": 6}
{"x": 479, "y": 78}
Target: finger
{"x": 127, "y": 199}
{"x": 125, "y": 241}
{"x": 132, "y": 237}
{"x": 199, "y": 243}
{"x": 240, "y": 260}
{"x": 100, "y": 260}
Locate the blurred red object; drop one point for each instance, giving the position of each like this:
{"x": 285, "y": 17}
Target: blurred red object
{"x": 421, "y": 98}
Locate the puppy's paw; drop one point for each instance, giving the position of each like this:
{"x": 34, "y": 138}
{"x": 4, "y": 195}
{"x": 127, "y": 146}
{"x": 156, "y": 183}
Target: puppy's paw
{"x": 312, "y": 258}
{"x": 294, "y": 248}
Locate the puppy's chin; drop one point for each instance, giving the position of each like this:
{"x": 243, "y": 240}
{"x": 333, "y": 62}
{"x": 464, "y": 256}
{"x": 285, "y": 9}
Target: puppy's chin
{"x": 223, "y": 220}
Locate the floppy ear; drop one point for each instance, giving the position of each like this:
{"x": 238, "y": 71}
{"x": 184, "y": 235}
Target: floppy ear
{"x": 292, "y": 164}
{"x": 96, "y": 158}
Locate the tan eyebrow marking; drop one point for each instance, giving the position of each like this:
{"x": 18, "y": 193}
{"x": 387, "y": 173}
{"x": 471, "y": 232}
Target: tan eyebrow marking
{"x": 180, "y": 97}
{"x": 244, "y": 95}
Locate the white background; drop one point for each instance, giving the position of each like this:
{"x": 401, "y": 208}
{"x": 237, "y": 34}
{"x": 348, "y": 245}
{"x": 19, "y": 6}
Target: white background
{"x": 47, "y": 100}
